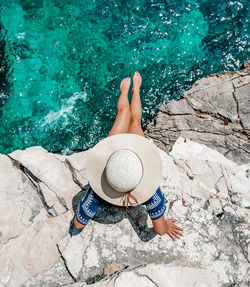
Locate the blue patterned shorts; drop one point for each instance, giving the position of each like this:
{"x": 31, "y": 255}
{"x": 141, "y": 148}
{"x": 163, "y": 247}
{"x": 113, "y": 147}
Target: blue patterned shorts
{"x": 90, "y": 203}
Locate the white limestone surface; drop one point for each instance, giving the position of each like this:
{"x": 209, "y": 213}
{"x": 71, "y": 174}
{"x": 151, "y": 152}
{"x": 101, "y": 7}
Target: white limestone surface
{"x": 208, "y": 195}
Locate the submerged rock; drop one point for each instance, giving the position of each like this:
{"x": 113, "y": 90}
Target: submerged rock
{"x": 209, "y": 196}
{"x": 215, "y": 112}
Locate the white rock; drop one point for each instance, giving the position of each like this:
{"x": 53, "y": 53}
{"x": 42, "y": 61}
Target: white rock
{"x": 48, "y": 169}
{"x": 33, "y": 251}
{"x": 19, "y": 201}
{"x": 130, "y": 279}
{"x": 207, "y": 194}
{"x": 215, "y": 206}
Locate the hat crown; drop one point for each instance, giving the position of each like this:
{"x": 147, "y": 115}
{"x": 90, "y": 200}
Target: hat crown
{"x": 124, "y": 170}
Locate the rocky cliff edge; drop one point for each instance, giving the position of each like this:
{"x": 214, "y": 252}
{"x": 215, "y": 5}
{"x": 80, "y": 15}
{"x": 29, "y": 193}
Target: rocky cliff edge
{"x": 209, "y": 194}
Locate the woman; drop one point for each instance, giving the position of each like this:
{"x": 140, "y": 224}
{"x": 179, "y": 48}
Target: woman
{"x": 128, "y": 121}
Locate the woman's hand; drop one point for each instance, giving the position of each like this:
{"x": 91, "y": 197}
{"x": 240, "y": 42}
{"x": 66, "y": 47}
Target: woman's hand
{"x": 163, "y": 226}
{"x": 173, "y": 230}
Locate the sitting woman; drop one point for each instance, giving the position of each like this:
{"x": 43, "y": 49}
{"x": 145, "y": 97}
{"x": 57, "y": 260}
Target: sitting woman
{"x": 125, "y": 168}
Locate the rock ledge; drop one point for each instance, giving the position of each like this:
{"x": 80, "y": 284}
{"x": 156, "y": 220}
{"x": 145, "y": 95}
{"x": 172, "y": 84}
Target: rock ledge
{"x": 215, "y": 112}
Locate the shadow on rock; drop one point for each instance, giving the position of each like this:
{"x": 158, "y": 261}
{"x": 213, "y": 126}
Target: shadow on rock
{"x": 111, "y": 214}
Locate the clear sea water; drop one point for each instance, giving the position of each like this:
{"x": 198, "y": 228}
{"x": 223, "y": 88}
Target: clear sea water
{"x": 62, "y": 61}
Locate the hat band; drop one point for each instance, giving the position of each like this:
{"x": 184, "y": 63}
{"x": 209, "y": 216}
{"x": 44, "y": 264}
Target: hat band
{"x": 126, "y": 200}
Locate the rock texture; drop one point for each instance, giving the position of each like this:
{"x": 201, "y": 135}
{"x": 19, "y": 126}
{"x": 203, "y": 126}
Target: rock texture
{"x": 209, "y": 196}
{"x": 215, "y": 112}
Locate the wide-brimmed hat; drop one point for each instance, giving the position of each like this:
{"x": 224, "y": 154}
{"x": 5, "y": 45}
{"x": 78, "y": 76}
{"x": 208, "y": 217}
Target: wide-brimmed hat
{"x": 124, "y": 169}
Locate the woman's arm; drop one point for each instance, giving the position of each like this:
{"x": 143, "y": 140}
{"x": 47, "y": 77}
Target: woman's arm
{"x": 156, "y": 207}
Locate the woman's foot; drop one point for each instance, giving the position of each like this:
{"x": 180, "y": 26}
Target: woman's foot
{"x": 124, "y": 86}
{"x": 136, "y": 82}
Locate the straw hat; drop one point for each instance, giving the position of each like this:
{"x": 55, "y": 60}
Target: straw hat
{"x": 124, "y": 169}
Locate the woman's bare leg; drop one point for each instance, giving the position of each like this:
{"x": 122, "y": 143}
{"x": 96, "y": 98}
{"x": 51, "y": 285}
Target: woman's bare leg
{"x": 135, "y": 107}
{"x": 122, "y": 119}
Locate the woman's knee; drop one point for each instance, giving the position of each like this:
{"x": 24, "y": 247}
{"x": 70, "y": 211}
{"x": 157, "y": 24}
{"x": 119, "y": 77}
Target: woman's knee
{"x": 135, "y": 119}
{"x": 124, "y": 109}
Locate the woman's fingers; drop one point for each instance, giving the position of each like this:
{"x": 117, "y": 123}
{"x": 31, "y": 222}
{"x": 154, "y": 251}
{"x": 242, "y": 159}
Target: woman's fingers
{"x": 173, "y": 230}
{"x": 171, "y": 236}
{"x": 174, "y": 233}
{"x": 178, "y": 233}
{"x": 177, "y": 227}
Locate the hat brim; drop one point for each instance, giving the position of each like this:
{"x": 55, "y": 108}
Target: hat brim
{"x": 148, "y": 154}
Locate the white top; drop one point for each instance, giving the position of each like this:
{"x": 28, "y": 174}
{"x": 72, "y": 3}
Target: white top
{"x": 124, "y": 170}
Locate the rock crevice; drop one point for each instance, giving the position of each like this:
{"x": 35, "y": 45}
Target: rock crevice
{"x": 37, "y": 184}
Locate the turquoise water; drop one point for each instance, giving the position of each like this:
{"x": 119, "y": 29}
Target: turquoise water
{"x": 62, "y": 62}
